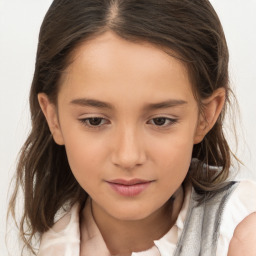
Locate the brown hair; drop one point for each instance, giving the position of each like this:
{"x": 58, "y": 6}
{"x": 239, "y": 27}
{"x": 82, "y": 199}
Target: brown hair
{"x": 189, "y": 28}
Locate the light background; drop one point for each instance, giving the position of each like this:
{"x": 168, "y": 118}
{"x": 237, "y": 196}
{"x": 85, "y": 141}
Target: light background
{"x": 19, "y": 26}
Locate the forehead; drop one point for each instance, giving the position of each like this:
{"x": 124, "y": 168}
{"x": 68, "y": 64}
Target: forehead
{"x": 110, "y": 65}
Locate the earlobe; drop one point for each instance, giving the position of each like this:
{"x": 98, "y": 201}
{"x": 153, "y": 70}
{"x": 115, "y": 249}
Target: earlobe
{"x": 50, "y": 113}
{"x": 212, "y": 108}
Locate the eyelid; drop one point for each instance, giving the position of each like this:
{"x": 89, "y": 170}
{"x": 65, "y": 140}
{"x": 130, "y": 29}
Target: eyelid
{"x": 171, "y": 121}
{"x": 85, "y": 120}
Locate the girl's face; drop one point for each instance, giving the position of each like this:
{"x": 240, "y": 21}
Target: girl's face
{"x": 126, "y": 114}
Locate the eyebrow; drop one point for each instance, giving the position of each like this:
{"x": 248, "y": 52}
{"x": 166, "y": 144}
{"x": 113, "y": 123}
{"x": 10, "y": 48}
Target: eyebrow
{"x": 85, "y": 102}
{"x": 165, "y": 104}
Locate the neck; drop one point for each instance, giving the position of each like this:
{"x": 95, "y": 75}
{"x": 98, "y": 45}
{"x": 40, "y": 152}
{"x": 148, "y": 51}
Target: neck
{"x": 124, "y": 237}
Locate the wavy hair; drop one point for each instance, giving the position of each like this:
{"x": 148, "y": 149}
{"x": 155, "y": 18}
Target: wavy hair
{"x": 188, "y": 28}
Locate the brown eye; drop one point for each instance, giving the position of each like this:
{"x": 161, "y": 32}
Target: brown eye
{"x": 94, "y": 121}
{"x": 164, "y": 122}
{"x": 159, "y": 121}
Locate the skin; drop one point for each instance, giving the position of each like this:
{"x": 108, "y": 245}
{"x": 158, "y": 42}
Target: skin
{"x": 243, "y": 241}
{"x": 129, "y": 141}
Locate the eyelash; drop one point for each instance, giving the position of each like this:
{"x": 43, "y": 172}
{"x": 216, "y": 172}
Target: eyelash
{"x": 171, "y": 121}
{"x": 86, "y": 122}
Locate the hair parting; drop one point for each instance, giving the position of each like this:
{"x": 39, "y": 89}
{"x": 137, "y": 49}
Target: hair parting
{"x": 188, "y": 30}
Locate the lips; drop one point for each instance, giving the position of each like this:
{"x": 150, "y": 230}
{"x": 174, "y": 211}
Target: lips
{"x": 129, "y": 188}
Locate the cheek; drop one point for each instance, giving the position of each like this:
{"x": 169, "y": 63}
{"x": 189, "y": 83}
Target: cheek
{"x": 175, "y": 147}
{"x": 84, "y": 157}
{"x": 173, "y": 156}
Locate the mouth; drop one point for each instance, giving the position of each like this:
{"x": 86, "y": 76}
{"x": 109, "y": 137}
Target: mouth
{"x": 129, "y": 188}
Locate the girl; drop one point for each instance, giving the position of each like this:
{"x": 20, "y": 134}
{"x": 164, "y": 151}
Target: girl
{"x": 127, "y": 154}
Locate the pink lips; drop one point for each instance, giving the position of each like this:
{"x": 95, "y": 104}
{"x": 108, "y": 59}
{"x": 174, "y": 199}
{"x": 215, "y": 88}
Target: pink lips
{"x": 129, "y": 187}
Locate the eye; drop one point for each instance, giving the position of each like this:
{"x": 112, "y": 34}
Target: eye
{"x": 162, "y": 121}
{"x": 94, "y": 121}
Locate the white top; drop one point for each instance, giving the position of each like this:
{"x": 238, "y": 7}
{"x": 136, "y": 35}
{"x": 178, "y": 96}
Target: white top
{"x": 63, "y": 239}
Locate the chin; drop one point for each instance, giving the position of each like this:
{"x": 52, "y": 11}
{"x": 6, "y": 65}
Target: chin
{"x": 131, "y": 213}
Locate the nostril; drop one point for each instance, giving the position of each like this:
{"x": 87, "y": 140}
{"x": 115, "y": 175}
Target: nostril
{"x": 128, "y": 160}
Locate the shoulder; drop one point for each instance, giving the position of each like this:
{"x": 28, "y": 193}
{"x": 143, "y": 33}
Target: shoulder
{"x": 243, "y": 241}
{"x": 241, "y": 204}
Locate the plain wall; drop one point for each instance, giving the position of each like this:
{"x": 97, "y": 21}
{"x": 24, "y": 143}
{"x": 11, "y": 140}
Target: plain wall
{"x": 19, "y": 27}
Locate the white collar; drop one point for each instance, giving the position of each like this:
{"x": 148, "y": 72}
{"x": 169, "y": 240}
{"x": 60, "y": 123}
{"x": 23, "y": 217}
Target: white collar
{"x": 63, "y": 239}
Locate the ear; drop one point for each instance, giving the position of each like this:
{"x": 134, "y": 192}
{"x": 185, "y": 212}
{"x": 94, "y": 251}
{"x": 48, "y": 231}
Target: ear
{"x": 212, "y": 107}
{"x": 51, "y": 115}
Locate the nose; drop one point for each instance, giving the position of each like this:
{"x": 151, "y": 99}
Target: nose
{"x": 128, "y": 150}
